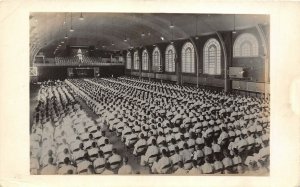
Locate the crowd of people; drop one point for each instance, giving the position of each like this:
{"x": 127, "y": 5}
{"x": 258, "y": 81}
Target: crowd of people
{"x": 84, "y": 60}
{"x": 66, "y": 60}
{"x": 65, "y": 140}
{"x": 182, "y": 129}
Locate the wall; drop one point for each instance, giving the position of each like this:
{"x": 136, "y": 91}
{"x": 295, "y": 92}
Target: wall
{"x": 60, "y": 72}
{"x": 254, "y": 66}
{"x": 45, "y": 73}
{"x": 203, "y": 79}
{"x": 250, "y": 86}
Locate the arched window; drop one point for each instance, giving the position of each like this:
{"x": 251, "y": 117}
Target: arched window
{"x": 212, "y": 57}
{"x": 136, "y": 61}
{"x": 246, "y": 45}
{"x": 128, "y": 61}
{"x": 156, "y": 64}
{"x": 188, "y": 58}
{"x": 145, "y": 60}
{"x": 170, "y": 59}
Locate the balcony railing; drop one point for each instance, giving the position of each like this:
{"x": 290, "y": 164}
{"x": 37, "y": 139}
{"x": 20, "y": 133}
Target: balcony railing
{"x": 86, "y": 61}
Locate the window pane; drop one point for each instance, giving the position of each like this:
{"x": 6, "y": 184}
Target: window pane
{"x": 156, "y": 60}
{"x": 169, "y": 59}
{"x": 145, "y": 60}
{"x": 136, "y": 61}
{"x": 246, "y": 49}
{"x": 188, "y": 58}
{"x": 128, "y": 61}
{"x": 212, "y": 57}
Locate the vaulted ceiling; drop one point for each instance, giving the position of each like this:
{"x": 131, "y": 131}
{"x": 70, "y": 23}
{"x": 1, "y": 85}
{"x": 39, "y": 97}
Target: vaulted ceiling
{"x": 108, "y": 31}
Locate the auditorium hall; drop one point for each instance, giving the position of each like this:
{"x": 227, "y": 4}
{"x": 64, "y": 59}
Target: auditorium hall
{"x": 149, "y": 93}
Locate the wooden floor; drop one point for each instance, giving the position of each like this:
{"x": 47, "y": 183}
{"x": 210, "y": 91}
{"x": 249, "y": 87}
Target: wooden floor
{"x": 115, "y": 140}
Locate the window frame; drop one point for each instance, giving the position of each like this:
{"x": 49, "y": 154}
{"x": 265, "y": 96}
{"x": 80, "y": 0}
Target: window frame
{"x": 170, "y": 66}
{"x": 128, "y": 56}
{"x": 242, "y": 39}
{"x": 136, "y": 61}
{"x": 208, "y": 66}
{"x": 192, "y": 56}
{"x": 145, "y": 55}
{"x": 154, "y": 63}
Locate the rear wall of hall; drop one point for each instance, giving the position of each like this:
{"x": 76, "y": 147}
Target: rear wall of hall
{"x": 61, "y": 72}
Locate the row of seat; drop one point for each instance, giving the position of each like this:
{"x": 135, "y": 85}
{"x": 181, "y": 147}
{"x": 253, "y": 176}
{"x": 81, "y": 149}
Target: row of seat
{"x": 121, "y": 106}
{"x": 69, "y": 141}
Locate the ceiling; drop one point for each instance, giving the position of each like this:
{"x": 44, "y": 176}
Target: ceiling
{"x": 108, "y": 30}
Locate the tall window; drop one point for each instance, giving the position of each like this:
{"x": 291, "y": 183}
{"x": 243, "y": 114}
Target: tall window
{"x": 136, "y": 60}
{"x": 212, "y": 57}
{"x": 156, "y": 64}
{"x": 128, "y": 61}
{"x": 145, "y": 60}
{"x": 246, "y": 45}
{"x": 188, "y": 58}
{"x": 170, "y": 61}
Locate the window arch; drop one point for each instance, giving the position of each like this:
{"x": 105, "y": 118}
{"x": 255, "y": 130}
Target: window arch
{"x": 212, "y": 57}
{"x": 188, "y": 58}
{"x": 128, "y": 61}
{"x": 156, "y": 62}
{"x": 136, "y": 60}
{"x": 170, "y": 59}
{"x": 246, "y": 45}
{"x": 145, "y": 60}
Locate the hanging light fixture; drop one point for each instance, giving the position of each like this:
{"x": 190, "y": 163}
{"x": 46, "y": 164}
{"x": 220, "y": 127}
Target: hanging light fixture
{"x": 196, "y": 28}
{"x": 234, "y": 31}
{"x": 81, "y": 17}
{"x": 71, "y": 29}
{"x": 143, "y": 34}
{"x": 171, "y": 25}
{"x": 172, "y": 34}
{"x": 65, "y": 23}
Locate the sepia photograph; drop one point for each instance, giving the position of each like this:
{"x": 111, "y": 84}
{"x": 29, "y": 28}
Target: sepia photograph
{"x": 149, "y": 94}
